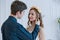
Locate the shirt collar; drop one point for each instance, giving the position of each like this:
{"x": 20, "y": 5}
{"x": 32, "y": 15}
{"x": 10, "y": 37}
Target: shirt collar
{"x": 13, "y": 18}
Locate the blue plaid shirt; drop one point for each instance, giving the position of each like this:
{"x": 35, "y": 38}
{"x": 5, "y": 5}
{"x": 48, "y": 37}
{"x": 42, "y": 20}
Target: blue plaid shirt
{"x": 11, "y": 30}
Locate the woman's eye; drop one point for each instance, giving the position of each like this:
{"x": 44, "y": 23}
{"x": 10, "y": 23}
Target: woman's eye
{"x": 32, "y": 14}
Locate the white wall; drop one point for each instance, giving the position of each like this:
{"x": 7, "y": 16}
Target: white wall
{"x": 50, "y": 10}
{"x": 2, "y": 11}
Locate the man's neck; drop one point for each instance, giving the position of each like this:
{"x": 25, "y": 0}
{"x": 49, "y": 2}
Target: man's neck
{"x": 13, "y": 16}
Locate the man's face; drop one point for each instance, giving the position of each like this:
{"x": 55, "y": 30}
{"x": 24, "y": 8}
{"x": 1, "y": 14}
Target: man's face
{"x": 19, "y": 14}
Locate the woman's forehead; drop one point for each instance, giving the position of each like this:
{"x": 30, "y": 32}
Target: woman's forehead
{"x": 32, "y": 11}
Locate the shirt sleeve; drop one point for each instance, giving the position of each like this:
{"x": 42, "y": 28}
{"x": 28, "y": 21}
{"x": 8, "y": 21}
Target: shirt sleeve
{"x": 23, "y": 33}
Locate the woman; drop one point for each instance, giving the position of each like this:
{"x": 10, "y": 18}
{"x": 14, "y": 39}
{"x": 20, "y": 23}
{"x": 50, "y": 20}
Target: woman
{"x": 34, "y": 18}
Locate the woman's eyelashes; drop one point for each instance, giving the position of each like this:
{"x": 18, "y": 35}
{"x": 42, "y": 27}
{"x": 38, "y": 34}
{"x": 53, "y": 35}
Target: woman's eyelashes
{"x": 31, "y": 14}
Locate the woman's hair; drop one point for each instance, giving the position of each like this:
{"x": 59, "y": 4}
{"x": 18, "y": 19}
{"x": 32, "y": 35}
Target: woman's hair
{"x": 38, "y": 16}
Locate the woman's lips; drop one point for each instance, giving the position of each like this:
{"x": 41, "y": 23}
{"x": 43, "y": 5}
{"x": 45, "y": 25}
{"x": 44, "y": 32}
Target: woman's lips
{"x": 30, "y": 18}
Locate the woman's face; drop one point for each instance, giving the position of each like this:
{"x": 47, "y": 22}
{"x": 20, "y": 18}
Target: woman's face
{"x": 32, "y": 15}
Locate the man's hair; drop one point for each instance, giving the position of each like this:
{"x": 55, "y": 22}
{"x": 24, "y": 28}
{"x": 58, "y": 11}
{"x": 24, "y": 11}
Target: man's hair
{"x": 17, "y": 6}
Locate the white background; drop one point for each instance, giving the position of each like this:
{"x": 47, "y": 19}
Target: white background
{"x": 50, "y": 10}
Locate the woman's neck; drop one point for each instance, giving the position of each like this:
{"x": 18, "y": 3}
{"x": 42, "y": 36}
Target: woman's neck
{"x": 33, "y": 24}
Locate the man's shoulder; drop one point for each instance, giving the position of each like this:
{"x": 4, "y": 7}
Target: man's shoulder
{"x": 18, "y": 24}
{"x": 4, "y": 23}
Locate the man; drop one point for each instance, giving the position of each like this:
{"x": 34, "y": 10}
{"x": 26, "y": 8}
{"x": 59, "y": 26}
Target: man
{"x": 11, "y": 30}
